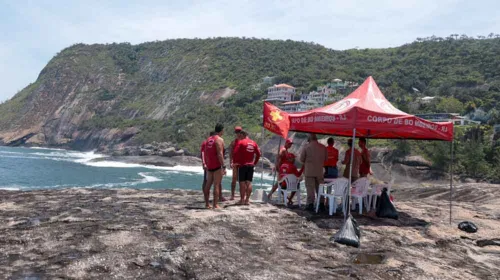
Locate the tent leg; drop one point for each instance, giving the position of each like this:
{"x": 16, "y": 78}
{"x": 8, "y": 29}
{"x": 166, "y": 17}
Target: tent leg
{"x": 451, "y": 179}
{"x": 350, "y": 172}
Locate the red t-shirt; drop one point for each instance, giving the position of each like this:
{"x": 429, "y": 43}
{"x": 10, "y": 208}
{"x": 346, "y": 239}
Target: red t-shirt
{"x": 211, "y": 158}
{"x": 247, "y": 152}
{"x": 333, "y": 156}
{"x": 289, "y": 168}
{"x": 364, "y": 167}
{"x": 283, "y": 155}
{"x": 233, "y": 146}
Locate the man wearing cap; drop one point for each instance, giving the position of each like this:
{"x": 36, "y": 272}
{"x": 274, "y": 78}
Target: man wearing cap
{"x": 232, "y": 146}
{"x": 280, "y": 159}
{"x": 246, "y": 156}
{"x": 313, "y": 157}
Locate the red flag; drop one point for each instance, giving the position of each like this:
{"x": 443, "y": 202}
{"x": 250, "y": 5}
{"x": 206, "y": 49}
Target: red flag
{"x": 276, "y": 120}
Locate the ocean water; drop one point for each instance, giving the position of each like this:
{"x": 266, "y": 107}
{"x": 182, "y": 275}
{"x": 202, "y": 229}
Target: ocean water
{"x": 40, "y": 168}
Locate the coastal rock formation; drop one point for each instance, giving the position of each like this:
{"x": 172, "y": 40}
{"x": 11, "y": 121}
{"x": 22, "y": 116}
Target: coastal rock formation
{"x": 166, "y": 234}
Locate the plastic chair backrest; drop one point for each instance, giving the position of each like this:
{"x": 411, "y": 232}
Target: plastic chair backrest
{"x": 362, "y": 185}
{"x": 339, "y": 186}
{"x": 291, "y": 182}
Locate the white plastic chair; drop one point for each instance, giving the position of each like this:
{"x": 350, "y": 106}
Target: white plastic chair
{"x": 377, "y": 191}
{"x": 292, "y": 185}
{"x": 335, "y": 189}
{"x": 360, "y": 192}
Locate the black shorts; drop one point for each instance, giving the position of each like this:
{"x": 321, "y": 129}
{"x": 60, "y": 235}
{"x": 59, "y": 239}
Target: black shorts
{"x": 204, "y": 174}
{"x": 215, "y": 169}
{"x": 245, "y": 173}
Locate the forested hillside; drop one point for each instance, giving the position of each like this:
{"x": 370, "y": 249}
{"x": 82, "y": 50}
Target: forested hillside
{"x": 115, "y": 95}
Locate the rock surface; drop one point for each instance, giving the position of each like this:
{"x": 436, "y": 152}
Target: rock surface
{"x": 166, "y": 234}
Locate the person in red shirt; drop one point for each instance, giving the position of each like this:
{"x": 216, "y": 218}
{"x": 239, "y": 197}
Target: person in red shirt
{"x": 280, "y": 159}
{"x": 204, "y": 164}
{"x": 331, "y": 170}
{"x": 214, "y": 159}
{"x": 232, "y": 147}
{"x": 288, "y": 167}
{"x": 364, "y": 168}
{"x": 246, "y": 156}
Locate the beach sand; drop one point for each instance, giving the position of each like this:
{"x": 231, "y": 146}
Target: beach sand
{"x": 166, "y": 234}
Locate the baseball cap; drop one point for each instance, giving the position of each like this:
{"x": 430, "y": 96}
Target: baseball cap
{"x": 289, "y": 141}
{"x": 237, "y": 129}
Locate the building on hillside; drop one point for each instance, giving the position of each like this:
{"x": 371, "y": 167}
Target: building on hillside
{"x": 292, "y": 106}
{"x": 426, "y": 99}
{"x": 448, "y": 117}
{"x": 281, "y": 92}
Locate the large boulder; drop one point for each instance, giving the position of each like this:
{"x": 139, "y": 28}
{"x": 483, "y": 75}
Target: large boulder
{"x": 179, "y": 152}
{"x": 168, "y": 152}
{"x": 145, "y": 152}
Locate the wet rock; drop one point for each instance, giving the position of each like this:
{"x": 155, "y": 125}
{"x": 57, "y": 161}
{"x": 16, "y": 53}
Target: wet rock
{"x": 179, "y": 152}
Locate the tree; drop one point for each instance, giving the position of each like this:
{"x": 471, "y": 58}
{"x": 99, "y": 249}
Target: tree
{"x": 450, "y": 105}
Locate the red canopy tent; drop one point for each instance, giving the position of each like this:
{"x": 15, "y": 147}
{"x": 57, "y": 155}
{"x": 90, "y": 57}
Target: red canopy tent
{"x": 363, "y": 113}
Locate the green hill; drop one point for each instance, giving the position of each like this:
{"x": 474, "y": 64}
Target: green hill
{"x": 95, "y": 96}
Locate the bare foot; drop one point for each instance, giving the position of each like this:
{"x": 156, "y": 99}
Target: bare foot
{"x": 232, "y": 198}
{"x": 240, "y": 203}
{"x": 216, "y": 207}
{"x": 247, "y": 202}
{"x": 208, "y": 206}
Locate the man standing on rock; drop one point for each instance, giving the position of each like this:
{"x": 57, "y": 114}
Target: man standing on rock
{"x": 313, "y": 157}
{"x": 203, "y": 161}
{"x": 214, "y": 158}
{"x": 246, "y": 156}
{"x": 232, "y": 147}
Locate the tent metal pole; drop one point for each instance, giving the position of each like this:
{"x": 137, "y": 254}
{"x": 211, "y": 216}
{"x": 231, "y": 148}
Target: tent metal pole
{"x": 451, "y": 178}
{"x": 350, "y": 172}
{"x": 262, "y": 162}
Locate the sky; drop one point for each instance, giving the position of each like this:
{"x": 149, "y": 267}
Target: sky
{"x": 32, "y": 32}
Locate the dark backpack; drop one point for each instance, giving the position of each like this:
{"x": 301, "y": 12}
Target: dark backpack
{"x": 385, "y": 208}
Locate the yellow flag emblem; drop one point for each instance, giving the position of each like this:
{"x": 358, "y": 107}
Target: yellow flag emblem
{"x": 276, "y": 116}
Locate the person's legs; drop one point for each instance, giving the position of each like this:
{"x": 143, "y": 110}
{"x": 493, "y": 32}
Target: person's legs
{"x": 206, "y": 188}
{"x": 233, "y": 182}
{"x": 243, "y": 185}
{"x": 310, "y": 188}
{"x": 221, "y": 197}
{"x": 248, "y": 181}
{"x": 217, "y": 177}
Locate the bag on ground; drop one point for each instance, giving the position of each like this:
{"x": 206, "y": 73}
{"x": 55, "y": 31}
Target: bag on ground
{"x": 349, "y": 234}
{"x": 385, "y": 208}
{"x": 467, "y": 227}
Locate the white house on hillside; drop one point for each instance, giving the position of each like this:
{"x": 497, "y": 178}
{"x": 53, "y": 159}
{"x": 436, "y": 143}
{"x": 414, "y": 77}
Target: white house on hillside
{"x": 281, "y": 92}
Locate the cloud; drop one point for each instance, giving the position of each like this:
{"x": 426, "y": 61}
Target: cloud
{"x": 32, "y": 32}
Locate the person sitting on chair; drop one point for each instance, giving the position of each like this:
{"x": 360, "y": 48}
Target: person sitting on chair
{"x": 286, "y": 168}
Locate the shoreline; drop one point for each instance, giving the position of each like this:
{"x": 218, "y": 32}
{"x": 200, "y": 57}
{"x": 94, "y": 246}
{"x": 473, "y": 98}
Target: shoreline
{"x": 166, "y": 234}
